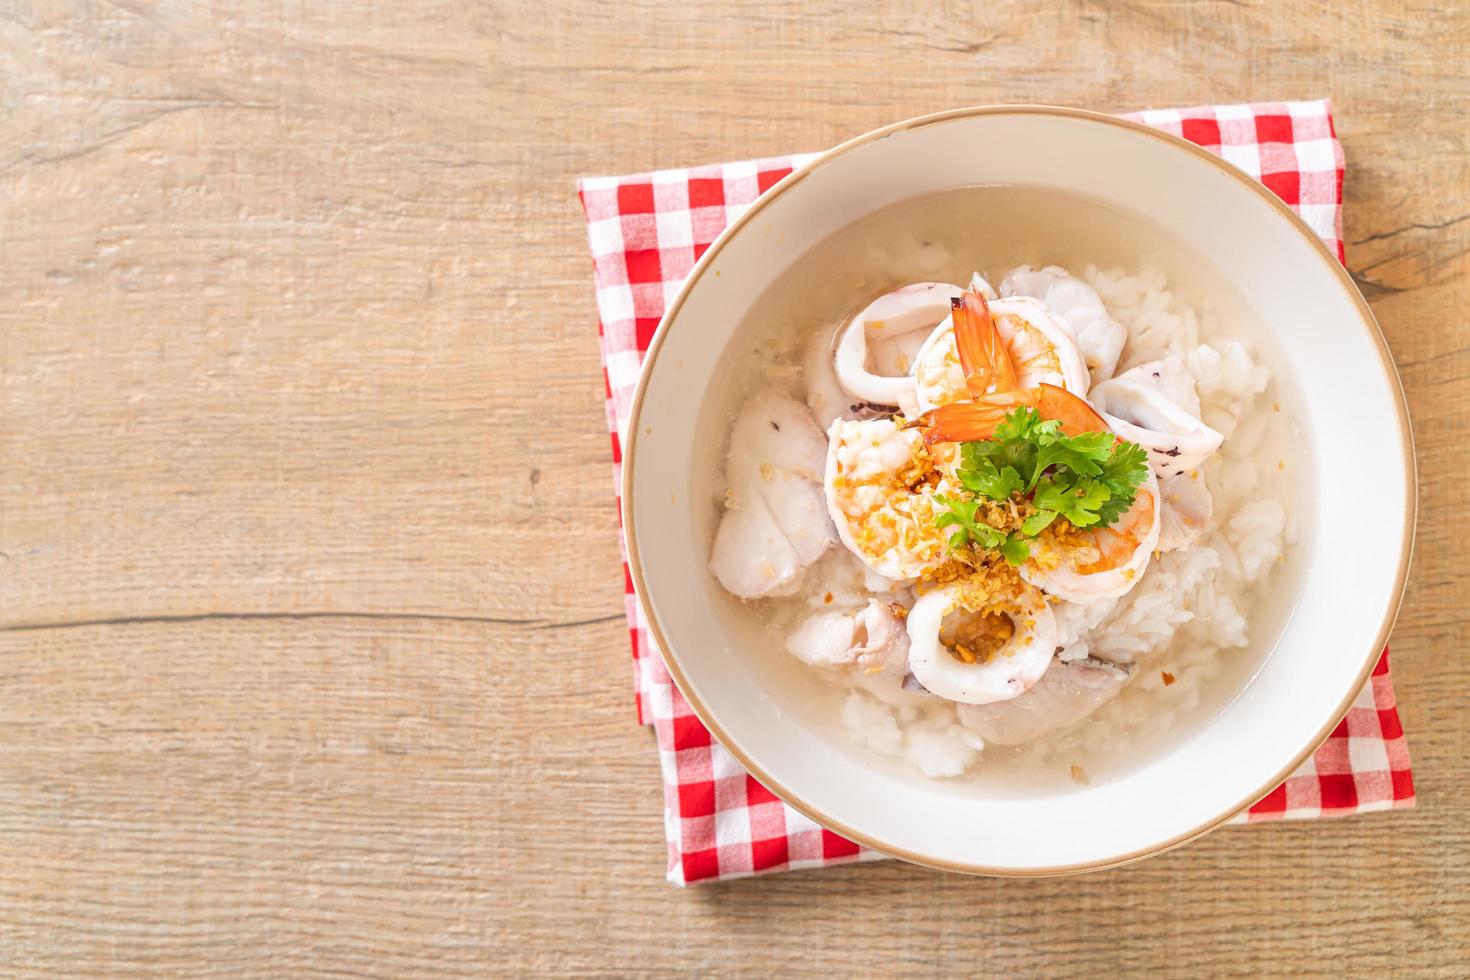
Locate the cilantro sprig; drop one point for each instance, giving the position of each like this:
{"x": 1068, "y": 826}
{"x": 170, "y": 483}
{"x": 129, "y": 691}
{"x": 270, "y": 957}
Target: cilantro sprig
{"x": 1089, "y": 479}
{"x": 960, "y": 514}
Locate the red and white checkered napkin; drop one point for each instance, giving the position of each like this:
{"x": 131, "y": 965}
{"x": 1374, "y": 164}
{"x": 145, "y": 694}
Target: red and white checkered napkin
{"x": 647, "y": 230}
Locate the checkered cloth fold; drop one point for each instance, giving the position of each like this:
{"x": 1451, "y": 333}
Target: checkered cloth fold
{"x": 647, "y": 231}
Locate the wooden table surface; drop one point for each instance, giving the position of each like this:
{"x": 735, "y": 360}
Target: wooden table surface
{"x": 313, "y": 657}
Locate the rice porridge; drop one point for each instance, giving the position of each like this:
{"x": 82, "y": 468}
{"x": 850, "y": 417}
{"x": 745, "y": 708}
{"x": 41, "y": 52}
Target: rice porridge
{"x": 1010, "y": 477}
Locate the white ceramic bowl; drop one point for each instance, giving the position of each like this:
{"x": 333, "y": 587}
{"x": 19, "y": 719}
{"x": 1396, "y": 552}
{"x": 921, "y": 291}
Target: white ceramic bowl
{"x": 1351, "y": 398}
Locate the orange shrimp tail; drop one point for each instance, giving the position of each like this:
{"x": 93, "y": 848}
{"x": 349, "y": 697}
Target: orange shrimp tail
{"x": 958, "y": 422}
{"x": 1075, "y": 414}
{"x": 973, "y": 420}
{"x": 978, "y": 418}
{"x": 983, "y": 355}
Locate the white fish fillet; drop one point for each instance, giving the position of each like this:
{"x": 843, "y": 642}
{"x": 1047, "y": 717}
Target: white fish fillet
{"x": 1171, "y": 376}
{"x": 775, "y": 522}
{"x": 871, "y": 638}
{"x": 824, "y": 395}
{"x": 1184, "y": 511}
{"x": 1067, "y": 693}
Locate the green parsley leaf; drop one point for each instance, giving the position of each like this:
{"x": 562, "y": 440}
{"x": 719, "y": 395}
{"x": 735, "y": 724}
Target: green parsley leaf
{"x": 1015, "y": 549}
{"x": 1025, "y": 424}
{"x": 957, "y": 514}
{"x": 990, "y": 480}
{"x": 1123, "y": 473}
{"x": 1090, "y": 479}
{"x": 1076, "y": 500}
{"x": 1038, "y": 522}
{"x": 961, "y": 514}
{"x": 987, "y": 460}
{"x": 1083, "y": 455}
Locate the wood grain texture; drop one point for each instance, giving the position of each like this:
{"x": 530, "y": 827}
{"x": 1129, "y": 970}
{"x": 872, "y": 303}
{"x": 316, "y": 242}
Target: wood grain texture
{"x": 299, "y": 399}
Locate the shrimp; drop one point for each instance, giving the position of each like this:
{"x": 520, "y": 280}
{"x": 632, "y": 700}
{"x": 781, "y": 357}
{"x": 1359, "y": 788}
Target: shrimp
{"x": 1109, "y": 561}
{"x": 987, "y": 347}
{"x": 918, "y": 306}
{"x": 880, "y": 495}
{"x": 1042, "y": 348}
{"x": 1068, "y": 692}
{"x": 970, "y": 677}
{"x": 978, "y": 418}
{"x": 1175, "y": 440}
{"x": 985, "y": 361}
{"x": 1099, "y": 337}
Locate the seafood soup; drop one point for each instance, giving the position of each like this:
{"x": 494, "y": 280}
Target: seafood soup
{"x": 1004, "y": 487}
